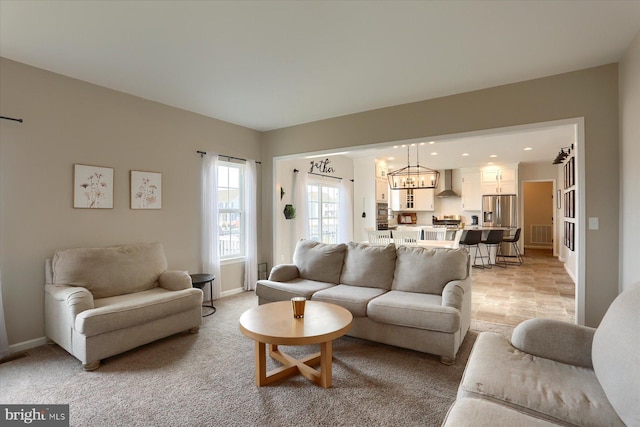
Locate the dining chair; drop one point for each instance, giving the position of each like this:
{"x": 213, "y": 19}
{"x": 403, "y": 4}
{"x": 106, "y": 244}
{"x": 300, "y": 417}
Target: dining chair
{"x": 406, "y": 238}
{"x": 430, "y": 233}
{"x": 379, "y": 237}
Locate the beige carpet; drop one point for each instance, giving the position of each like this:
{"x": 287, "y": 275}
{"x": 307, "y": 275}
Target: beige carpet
{"x": 207, "y": 379}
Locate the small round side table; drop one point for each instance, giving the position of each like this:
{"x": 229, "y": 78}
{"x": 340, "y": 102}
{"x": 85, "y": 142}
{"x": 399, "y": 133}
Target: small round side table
{"x": 199, "y": 281}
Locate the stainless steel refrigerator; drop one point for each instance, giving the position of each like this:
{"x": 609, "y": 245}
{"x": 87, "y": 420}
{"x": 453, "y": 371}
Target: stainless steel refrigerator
{"x": 501, "y": 211}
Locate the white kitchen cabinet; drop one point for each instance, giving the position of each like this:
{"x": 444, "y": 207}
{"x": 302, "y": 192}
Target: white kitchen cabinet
{"x": 382, "y": 190}
{"x": 471, "y": 191}
{"x": 500, "y": 181}
{"x": 412, "y": 200}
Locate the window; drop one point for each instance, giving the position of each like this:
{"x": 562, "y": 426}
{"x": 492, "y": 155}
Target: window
{"x": 230, "y": 210}
{"x": 323, "y": 204}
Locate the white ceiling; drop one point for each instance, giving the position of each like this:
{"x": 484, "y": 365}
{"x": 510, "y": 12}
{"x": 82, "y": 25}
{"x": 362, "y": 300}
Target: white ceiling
{"x": 539, "y": 144}
{"x": 272, "y": 64}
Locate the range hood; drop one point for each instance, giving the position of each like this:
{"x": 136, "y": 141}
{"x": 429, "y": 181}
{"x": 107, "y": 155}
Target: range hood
{"x": 448, "y": 182}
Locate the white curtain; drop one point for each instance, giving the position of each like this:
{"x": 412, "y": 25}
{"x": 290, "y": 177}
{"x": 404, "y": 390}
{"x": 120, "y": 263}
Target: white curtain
{"x": 210, "y": 241}
{"x": 251, "y": 229}
{"x": 4, "y": 341}
{"x": 345, "y": 217}
{"x": 301, "y": 230}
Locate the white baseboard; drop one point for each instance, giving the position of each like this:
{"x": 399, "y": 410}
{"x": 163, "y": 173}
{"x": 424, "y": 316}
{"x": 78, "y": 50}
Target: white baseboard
{"x": 570, "y": 273}
{"x": 231, "y": 292}
{"x": 26, "y": 345}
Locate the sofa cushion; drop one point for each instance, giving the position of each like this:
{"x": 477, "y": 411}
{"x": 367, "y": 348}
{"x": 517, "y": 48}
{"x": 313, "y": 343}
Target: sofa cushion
{"x": 281, "y": 291}
{"x": 123, "y": 311}
{"x": 615, "y": 355}
{"x": 353, "y": 298}
{"x": 319, "y": 261}
{"x": 421, "y": 311}
{"x": 110, "y": 271}
{"x": 427, "y": 271}
{"x": 369, "y": 266}
{"x": 547, "y": 389}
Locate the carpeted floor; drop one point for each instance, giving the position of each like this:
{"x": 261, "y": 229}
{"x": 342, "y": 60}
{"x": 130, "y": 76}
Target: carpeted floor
{"x": 207, "y": 379}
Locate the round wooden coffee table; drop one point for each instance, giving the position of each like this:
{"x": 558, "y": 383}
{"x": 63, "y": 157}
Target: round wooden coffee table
{"x": 275, "y": 325}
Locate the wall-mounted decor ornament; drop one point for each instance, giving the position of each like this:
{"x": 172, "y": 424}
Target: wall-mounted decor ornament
{"x": 146, "y": 190}
{"x": 281, "y": 193}
{"x": 289, "y": 212}
{"x": 92, "y": 187}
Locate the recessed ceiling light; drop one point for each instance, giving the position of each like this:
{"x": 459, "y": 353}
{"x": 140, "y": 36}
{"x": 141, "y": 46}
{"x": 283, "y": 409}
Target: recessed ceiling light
{"x": 431, "y": 142}
{"x": 493, "y": 156}
{"x": 422, "y": 143}
{"x": 434, "y": 154}
{"x": 395, "y": 146}
{"x": 465, "y": 154}
{"x": 528, "y": 149}
{"x": 391, "y": 158}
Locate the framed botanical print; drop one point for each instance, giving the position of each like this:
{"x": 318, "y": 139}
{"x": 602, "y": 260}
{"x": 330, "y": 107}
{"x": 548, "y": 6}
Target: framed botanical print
{"x": 92, "y": 187}
{"x": 146, "y": 190}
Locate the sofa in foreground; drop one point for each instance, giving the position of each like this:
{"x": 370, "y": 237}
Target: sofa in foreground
{"x": 556, "y": 373}
{"x": 100, "y": 302}
{"x": 409, "y": 297}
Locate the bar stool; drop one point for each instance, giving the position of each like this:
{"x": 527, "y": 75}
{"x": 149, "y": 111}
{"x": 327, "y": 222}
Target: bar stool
{"x": 514, "y": 242}
{"x": 470, "y": 239}
{"x": 494, "y": 239}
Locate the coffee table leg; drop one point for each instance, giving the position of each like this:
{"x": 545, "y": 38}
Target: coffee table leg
{"x": 326, "y": 357}
{"x": 261, "y": 364}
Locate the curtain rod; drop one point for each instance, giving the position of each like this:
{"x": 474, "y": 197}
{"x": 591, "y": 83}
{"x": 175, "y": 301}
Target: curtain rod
{"x": 325, "y": 176}
{"x": 11, "y": 118}
{"x": 204, "y": 153}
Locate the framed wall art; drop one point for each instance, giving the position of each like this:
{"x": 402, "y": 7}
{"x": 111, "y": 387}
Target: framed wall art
{"x": 146, "y": 190}
{"x": 92, "y": 187}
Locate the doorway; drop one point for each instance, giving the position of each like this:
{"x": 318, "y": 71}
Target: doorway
{"x": 538, "y": 215}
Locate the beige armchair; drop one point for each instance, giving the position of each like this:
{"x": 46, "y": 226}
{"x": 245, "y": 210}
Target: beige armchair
{"x": 100, "y": 302}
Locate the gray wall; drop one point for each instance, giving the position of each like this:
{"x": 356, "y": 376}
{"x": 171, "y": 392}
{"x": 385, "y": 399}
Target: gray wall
{"x": 630, "y": 172}
{"x": 67, "y": 121}
{"x": 590, "y": 93}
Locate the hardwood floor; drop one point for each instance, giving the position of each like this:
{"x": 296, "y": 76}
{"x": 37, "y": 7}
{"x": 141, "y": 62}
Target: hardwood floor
{"x": 540, "y": 287}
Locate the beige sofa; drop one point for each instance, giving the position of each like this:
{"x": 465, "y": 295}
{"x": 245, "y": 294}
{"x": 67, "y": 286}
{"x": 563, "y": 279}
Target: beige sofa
{"x": 408, "y": 297}
{"x": 103, "y": 301}
{"x": 556, "y": 373}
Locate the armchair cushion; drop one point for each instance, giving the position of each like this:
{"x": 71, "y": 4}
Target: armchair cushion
{"x": 427, "y": 271}
{"x": 369, "y": 266}
{"x": 107, "y": 272}
{"x": 125, "y": 311}
{"x": 555, "y": 340}
{"x": 175, "y": 280}
{"x": 544, "y": 388}
{"x": 319, "y": 261}
{"x": 616, "y": 355}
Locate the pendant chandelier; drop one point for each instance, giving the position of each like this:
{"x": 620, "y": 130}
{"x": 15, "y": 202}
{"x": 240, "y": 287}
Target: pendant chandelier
{"x": 416, "y": 177}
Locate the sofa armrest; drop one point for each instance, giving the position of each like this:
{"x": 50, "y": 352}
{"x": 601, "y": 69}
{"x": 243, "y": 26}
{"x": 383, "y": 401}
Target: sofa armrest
{"x": 76, "y": 298}
{"x": 555, "y": 340}
{"x": 175, "y": 280}
{"x": 455, "y": 292}
{"x": 284, "y": 273}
